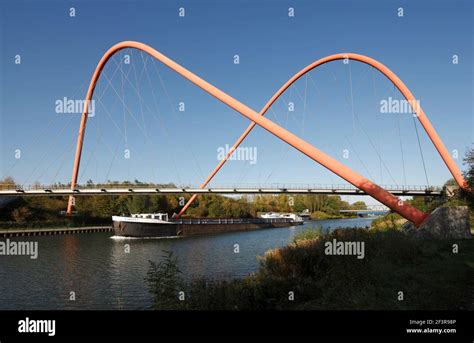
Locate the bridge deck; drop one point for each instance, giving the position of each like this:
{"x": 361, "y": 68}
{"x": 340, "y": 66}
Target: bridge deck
{"x": 149, "y": 190}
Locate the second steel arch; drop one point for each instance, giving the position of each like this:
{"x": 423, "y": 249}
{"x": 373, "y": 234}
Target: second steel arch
{"x": 376, "y": 65}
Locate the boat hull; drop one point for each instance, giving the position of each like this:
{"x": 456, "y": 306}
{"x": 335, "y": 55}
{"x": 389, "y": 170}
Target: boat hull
{"x": 191, "y": 227}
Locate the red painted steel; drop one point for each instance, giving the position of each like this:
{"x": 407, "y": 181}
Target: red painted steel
{"x": 414, "y": 215}
{"x": 387, "y": 73}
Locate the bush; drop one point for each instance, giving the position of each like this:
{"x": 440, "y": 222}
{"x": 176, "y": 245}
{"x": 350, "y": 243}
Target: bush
{"x": 389, "y": 221}
{"x": 310, "y": 234}
{"x": 430, "y": 275}
{"x": 165, "y": 282}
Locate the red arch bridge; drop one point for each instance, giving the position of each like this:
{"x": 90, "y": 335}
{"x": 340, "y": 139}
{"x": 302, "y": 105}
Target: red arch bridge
{"x": 387, "y": 195}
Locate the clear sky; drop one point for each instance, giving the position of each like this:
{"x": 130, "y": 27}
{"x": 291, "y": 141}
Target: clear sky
{"x": 59, "y": 53}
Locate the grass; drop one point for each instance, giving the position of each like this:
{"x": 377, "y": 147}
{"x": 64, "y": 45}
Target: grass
{"x": 310, "y": 234}
{"x": 325, "y": 215}
{"x": 428, "y": 273}
{"x": 388, "y": 221}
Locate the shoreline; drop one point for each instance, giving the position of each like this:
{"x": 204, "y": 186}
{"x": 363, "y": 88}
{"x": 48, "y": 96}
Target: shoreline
{"x": 64, "y": 230}
{"x": 4, "y": 233}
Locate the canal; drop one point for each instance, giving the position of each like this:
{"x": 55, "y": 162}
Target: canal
{"x": 105, "y": 272}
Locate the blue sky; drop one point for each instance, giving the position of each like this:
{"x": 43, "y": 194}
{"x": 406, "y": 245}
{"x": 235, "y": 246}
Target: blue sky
{"x": 59, "y": 53}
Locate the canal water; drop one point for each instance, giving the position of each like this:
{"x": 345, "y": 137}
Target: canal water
{"x": 104, "y": 276}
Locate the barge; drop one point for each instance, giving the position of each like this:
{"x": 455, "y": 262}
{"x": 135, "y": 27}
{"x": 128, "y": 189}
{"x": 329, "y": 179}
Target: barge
{"x": 159, "y": 225}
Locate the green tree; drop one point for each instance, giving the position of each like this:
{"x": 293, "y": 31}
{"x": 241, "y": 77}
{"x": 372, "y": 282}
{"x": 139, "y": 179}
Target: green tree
{"x": 138, "y": 204}
{"x": 359, "y": 205}
{"x": 164, "y": 281}
{"x": 7, "y": 183}
{"x": 21, "y": 215}
{"x": 469, "y": 175}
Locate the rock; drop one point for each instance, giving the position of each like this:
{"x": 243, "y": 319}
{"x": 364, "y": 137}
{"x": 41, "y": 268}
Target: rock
{"x": 443, "y": 223}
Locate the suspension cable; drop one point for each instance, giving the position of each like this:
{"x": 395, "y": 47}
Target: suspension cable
{"x": 356, "y": 118}
{"x": 401, "y": 150}
{"x": 421, "y": 150}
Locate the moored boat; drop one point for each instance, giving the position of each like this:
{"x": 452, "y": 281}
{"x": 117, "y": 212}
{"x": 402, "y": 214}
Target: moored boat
{"x": 160, "y": 225}
{"x": 306, "y": 214}
{"x": 278, "y": 215}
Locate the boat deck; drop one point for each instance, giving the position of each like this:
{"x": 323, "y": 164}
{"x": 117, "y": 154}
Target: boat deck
{"x": 221, "y": 221}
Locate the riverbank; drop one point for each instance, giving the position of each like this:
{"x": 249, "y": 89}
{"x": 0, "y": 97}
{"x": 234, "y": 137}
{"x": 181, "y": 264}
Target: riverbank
{"x": 59, "y": 223}
{"x": 324, "y": 215}
{"x": 394, "y": 220}
{"x": 54, "y": 231}
{"x": 77, "y": 222}
{"x": 77, "y": 225}
{"x": 398, "y": 272}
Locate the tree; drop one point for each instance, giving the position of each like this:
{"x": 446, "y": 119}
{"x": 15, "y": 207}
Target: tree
{"x": 164, "y": 281}
{"x": 138, "y": 204}
{"x": 7, "y": 183}
{"x": 469, "y": 175}
{"x": 21, "y": 215}
{"x": 359, "y": 205}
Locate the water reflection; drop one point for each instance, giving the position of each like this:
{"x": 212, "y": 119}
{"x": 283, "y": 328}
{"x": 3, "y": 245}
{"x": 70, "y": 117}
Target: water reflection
{"x": 104, "y": 276}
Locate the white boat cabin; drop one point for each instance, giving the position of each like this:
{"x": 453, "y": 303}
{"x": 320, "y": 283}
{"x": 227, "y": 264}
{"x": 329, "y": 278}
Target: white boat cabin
{"x": 159, "y": 216}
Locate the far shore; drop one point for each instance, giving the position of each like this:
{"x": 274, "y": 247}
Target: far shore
{"x": 34, "y": 226}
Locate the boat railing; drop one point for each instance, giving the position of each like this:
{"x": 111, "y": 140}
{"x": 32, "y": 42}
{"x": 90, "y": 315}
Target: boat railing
{"x": 229, "y": 220}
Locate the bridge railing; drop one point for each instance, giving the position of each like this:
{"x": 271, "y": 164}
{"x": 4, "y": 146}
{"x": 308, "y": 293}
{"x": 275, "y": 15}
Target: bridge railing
{"x": 321, "y": 186}
{"x": 263, "y": 186}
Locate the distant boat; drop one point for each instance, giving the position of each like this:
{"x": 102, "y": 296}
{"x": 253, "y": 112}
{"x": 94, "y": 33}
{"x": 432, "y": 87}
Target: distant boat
{"x": 278, "y": 215}
{"x": 306, "y": 214}
{"x": 160, "y": 225}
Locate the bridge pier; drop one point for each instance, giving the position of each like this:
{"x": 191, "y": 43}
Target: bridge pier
{"x": 443, "y": 223}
